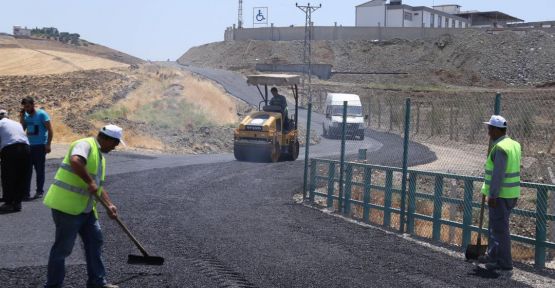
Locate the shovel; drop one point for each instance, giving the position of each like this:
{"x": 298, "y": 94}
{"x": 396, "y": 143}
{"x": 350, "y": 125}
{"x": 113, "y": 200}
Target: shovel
{"x": 145, "y": 259}
{"x": 475, "y": 251}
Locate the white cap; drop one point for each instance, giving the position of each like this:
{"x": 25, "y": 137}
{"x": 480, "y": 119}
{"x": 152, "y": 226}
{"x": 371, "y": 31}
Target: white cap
{"x": 497, "y": 121}
{"x": 113, "y": 131}
{"x": 3, "y": 113}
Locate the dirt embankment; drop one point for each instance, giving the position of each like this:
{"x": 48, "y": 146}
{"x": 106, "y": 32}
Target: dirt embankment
{"x": 161, "y": 109}
{"x": 85, "y": 86}
{"x": 470, "y": 59}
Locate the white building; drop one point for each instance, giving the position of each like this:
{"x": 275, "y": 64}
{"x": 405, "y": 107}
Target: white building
{"x": 377, "y": 13}
{"x": 19, "y": 31}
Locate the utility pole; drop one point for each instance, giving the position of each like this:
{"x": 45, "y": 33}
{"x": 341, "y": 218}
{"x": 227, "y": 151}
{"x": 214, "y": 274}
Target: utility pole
{"x": 240, "y": 15}
{"x": 307, "y": 59}
{"x": 307, "y": 49}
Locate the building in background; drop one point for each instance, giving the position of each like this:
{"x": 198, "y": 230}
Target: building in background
{"x": 379, "y": 13}
{"x": 538, "y": 24}
{"x": 19, "y": 31}
{"x": 494, "y": 19}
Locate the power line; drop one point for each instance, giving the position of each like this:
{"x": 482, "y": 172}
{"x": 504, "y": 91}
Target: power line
{"x": 307, "y": 50}
{"x": 308, "y": 9}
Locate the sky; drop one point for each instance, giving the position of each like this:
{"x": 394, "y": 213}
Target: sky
{"x": 165, "y": 29}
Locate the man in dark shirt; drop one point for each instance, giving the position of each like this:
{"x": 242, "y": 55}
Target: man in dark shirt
{"x": 281, "y": 101}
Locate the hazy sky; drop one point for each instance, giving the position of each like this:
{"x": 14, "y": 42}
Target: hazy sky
{"x": 162, "y": 29}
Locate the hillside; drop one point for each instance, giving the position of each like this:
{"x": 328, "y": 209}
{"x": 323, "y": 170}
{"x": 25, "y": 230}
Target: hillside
{"x": 86, "y": 48}
{"x": 84, "y": 87}
{"x": 474, "y": 58}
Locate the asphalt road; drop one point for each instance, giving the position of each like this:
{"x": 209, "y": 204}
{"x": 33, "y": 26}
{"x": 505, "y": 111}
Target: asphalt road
{"x": 230, "y": 224}
{"x": 236, "y": 84}
{"x": 222, "y": 223}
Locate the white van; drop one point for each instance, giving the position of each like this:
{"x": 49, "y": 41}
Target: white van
{"x": 356, "y": 122}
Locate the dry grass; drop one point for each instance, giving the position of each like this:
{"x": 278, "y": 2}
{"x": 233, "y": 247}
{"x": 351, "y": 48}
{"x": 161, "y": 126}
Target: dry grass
{"x": 17, "y": 61}
{"x": 62, "y": 132}
{"x": 163, "y": 87}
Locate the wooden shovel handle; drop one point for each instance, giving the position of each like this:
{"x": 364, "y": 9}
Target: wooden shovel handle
{"x": 481, "y": 220}
{"x": 124, "y": 228}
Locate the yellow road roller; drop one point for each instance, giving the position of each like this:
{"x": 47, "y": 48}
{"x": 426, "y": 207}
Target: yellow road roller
{"x": 269, "y": 135}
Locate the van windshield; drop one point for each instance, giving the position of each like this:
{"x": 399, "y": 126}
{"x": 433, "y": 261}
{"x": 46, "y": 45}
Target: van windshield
{"x": 337, "y": 110}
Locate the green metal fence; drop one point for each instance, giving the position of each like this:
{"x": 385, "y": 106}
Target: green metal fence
{"x": 363, "y": 196}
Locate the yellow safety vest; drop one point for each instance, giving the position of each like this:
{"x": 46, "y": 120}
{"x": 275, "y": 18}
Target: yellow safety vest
{"x": 510, "y": 187}
{"x": 69, "y": 193}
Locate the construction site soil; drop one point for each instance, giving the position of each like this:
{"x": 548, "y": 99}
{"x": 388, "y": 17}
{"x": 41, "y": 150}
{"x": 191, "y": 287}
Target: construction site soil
{"x": 473, "y": 58}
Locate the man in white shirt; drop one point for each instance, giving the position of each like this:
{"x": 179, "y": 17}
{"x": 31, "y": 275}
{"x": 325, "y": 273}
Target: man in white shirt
{"x": 15, "y": 156}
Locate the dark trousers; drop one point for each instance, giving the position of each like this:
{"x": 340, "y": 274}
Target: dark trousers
{"x": 499, "y": 244}
{"x": 16, "y": 160}
{"x": 38, "y": 159}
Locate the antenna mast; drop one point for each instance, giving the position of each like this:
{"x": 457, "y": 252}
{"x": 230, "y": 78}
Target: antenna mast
{"x": 240, "y": 15}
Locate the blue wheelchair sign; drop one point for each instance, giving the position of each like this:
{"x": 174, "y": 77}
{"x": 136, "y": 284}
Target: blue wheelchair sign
{"x": 260, "y": 15}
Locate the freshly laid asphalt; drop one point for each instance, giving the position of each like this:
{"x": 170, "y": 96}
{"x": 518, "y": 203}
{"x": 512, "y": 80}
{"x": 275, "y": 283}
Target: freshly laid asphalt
{"x": 228, "y": 224}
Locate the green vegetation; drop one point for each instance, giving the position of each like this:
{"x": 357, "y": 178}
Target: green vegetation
{"x": 163, "y": 113}
{"x": 53, "y": 33}
{"x": 172, "y": 114}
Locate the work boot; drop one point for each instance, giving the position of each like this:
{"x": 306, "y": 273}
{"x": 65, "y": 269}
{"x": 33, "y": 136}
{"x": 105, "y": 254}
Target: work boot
{"x": 484, "y": 259}
{"x": 38, "y": 196}
{"x": 16, "y": 207}
{"x": 8, "y": 208}
{"x": 495, "y": 266}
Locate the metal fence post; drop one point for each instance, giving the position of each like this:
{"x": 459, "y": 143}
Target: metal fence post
{"x": 312, "y": 179}
{"x": 307, "y": 150}
{"x": 331, "y": 184}
{"x": 387, "y": 199}
{"x": 405, "y": 166}
{"x": 541, "y": 227}
{"x": 438, "y": 206}
{"x": 467, "y": 212}
{"x": 342, "y": 163}
{"x": 348, "y": 189}
{"x": 367, "y": 188}
{"x": 412, "y": 203}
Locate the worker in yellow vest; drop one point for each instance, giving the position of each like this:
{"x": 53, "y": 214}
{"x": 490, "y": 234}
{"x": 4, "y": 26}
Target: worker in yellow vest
{"x": 71, "y": 198}
{"x": 502, "y": 189}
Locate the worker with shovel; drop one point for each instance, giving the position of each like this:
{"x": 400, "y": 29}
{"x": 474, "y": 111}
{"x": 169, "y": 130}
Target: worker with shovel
{"x": 502, "y": 189}
{"x": 72, "y": 200}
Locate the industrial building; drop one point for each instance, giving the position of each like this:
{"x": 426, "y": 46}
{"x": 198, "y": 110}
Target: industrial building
{"x": 494, "y": 19}
{"x": 379, "y": 13}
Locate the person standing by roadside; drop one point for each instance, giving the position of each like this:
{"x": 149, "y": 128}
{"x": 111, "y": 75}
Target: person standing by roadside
{"x": 15, "y": 157}
{"x": 39, "y": 131}
{"x": 71, "y": 198}
{"x": 502, "y": 189}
